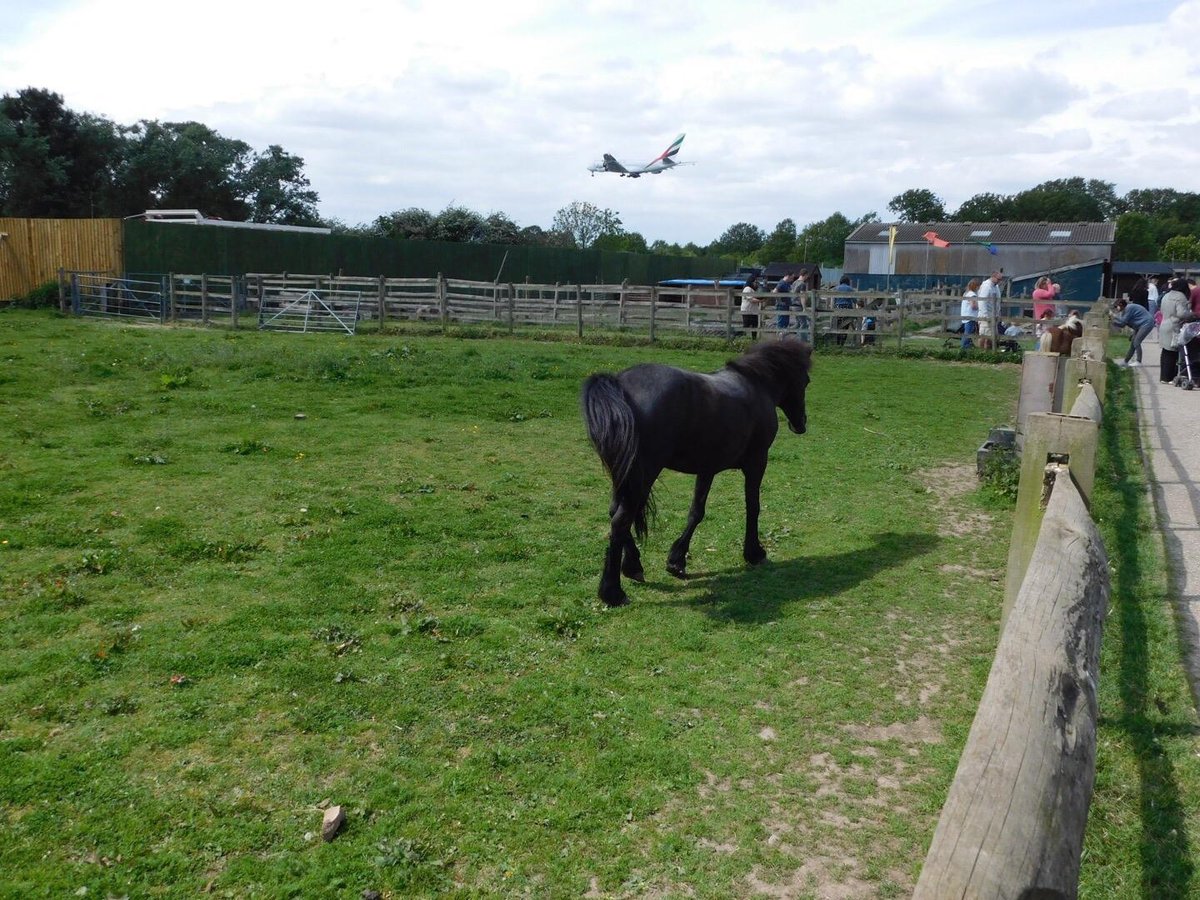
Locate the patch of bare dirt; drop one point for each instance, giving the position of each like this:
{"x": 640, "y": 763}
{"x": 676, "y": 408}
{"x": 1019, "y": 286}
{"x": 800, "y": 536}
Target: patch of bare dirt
{"x": 948, "y": 484}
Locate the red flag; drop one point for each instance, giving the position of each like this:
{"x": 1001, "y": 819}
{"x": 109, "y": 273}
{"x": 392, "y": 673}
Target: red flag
{"x": 932, "y": 237}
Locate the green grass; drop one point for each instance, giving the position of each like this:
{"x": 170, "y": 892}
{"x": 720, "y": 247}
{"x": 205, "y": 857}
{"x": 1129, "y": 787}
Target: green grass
{"x": 218, "y": 616}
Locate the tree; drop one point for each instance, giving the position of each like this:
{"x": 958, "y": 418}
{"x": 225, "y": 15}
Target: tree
{"x": 985, "y": 208}
{"x": 624, "y": 242}
{"x": 53, "y": 162}
{"x": 1182, "y": 247}
{"x": 500, "y": 229}
{"x": 458, "y": 225}
{"x": 1135, "y": 238}
{"x": 780, "y": 245}
{"x": 412, "y": 224}
{"x": 1066, "y": 200}
{"x": 740, "y": 240}
{"x": 584, "y": 222}
{"x": 278, "y": 191}
{"x": 825, "y": 241}
{"x": 918, "y": 205}
{"x": 185, "y": 165}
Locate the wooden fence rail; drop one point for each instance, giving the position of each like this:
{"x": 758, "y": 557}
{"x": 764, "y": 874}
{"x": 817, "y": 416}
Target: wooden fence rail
{"x": 1013, "y": 821}
{"x": 873, "y": 317}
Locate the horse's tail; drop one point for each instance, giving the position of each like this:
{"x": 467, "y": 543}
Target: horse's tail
{"x": 1046, "y": 341}
{"x": 612, "y": 427}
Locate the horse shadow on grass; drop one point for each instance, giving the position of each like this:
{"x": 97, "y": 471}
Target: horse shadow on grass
{"x": 756, "y": 594}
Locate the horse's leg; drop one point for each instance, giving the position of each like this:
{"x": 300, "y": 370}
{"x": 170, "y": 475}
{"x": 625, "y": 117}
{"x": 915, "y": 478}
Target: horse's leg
{"x": 619, "y": 537}
{"x": 631, "y": 559}
{"x": 752, "y": 549}
{"x": 677, "y": 558}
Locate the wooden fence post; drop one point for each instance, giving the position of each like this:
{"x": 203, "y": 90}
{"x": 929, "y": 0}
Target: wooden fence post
{"x": 443, "y": 300}
{"x": 1040, "y": 391}
{"x": 203, "y": 298}
{"x": 729, "y": 314}
{"x": 512, "y": 307}
{"x": 621, "y": 303}
{"x": 62, "y": 290}
{"x": 900, "y": 323}
{"x": 653, "y": 310}
{"x": 174, "y": 297}
{"x": 381, "y": 298}
{"x": 1081, "y": 371}
{"x": 1013, "y": 821}
{"x": 1049, "y": 437}
{"x": 579, "y": 307}
{"x": 164, "y": 294}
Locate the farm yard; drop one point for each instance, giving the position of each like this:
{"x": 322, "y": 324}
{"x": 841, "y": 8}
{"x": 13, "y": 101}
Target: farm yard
{"x": 248, "y": 577}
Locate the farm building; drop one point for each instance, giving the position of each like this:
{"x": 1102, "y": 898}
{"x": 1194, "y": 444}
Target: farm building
{"x": 928, "y": 255}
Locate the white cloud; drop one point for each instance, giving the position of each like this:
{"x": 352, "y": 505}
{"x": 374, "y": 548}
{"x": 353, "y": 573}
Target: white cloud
{"x": 795, "y": 109}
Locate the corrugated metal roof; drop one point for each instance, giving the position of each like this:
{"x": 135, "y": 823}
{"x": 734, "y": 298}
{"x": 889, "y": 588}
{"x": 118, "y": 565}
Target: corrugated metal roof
{"x": 989, "y": 232}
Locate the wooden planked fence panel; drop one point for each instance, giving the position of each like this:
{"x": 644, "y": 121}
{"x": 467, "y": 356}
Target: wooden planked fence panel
{"x": 33, "y": 251}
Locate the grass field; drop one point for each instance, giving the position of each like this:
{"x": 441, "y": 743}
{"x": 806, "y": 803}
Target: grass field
{"x": 249, "y": 576}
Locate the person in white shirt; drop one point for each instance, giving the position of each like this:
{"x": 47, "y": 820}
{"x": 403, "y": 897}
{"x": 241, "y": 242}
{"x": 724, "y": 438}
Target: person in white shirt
{"x": 751, "y": 306}
{"x": 970, "y": 313}
{"x": 989, "y": 296}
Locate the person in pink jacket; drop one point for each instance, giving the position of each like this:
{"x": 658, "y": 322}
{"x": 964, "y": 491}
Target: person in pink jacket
{"x": 1045, "y": 295}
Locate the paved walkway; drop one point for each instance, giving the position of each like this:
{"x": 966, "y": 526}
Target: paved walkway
{"x": 1171, "y": 437}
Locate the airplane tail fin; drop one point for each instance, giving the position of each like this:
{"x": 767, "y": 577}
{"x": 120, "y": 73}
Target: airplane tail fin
{"x": 666, "y": 156}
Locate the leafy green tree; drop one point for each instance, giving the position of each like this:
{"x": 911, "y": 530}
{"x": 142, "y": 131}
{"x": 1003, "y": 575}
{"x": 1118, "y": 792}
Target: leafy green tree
{"x": 1135, "y": 238}
{"x": 825, "y": 241}
{"x": 412, "y": 224}
{"x": 625, "y": 242}
{"x": 584, "y": 222}
{"x": 185, "y": 165}
{"x": 740, "y": 240}
{"x": 1182, "y": 248}
{"x": 780, "y": 245}
{"x": 918, "y": 205}
{"x": 459, "y": 225}
{"x": 54, "y": 162}
{"x": 1066, "y": 200}
{"x": 278, "y": 190}
{"x": 500, "y": 229}
{"x": 664, "y": 248}
{"x": 984, "y": 208}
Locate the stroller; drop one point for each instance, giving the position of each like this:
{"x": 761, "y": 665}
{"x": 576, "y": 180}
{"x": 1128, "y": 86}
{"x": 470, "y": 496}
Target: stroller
{"x": 1187, "y": 334}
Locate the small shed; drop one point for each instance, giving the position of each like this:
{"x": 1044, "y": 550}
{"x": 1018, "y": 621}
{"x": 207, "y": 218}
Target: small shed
{"x": 1125, "y": 274}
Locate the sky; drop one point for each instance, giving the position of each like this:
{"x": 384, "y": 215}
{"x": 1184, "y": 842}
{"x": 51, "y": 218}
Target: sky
{"x": 792, "y": 108}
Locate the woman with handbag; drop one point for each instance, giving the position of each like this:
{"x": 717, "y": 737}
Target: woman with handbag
{"x": 1176, "y": 309}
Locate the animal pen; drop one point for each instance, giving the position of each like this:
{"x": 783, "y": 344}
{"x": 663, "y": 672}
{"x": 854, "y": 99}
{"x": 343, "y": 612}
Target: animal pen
{"x": 342, "y": 304}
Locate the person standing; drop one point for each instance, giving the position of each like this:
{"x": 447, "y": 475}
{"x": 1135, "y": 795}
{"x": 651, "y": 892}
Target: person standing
{"x": 1140, "y": 293}
{"x": 1140, "y": 322}
{"x": 1045, "y": 293}
{"x": 1152, "y": 295}
{"x": 989, "y": 298}
{"x": 970, "y": 313}
{"x": 843, "y": 301}
{"x": 751, "y": 306}
{"x": 783, "y": 303}
{"x": 1175, "y": 307}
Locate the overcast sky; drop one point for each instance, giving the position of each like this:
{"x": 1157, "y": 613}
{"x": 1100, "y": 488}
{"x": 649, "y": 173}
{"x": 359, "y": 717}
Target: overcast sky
{"x": 792, "y": 109}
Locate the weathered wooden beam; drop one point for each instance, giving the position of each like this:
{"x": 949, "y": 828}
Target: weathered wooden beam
{"x": 1013, "y": 823}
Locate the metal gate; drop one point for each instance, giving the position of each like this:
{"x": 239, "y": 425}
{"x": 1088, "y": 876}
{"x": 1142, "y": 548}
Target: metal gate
{"x": 98, "y": 294}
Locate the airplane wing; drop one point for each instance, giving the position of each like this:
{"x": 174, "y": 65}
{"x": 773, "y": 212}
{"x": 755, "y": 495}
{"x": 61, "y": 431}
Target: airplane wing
{"x": 611, "y": 165}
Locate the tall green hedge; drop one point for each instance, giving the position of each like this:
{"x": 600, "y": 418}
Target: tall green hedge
{"x": 195, "y": 249}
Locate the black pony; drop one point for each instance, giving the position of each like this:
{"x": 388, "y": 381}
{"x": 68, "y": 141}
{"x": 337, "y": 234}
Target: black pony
{"x": 653, "y": 417}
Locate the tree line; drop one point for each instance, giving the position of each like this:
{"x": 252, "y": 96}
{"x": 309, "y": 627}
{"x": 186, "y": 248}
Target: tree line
{"x": 57, "y": 163}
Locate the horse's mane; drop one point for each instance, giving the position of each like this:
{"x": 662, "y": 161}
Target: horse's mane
{"x": 774, "y": 362}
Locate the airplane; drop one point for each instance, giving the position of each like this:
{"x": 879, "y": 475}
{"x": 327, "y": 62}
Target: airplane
{"x": 660, "y": 163}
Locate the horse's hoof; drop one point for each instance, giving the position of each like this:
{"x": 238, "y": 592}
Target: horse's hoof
{"x": 635, "y": 575}
{"x": 753, "y": 559}
{"x": 621, "y": 599}
{"x": 676, "y": 570}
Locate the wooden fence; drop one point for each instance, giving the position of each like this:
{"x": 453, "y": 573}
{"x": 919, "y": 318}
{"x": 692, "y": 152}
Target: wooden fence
{"x": 873, "y": 317}
{"x": 1013, "y": 822}
{"x": 32, "y": 251}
